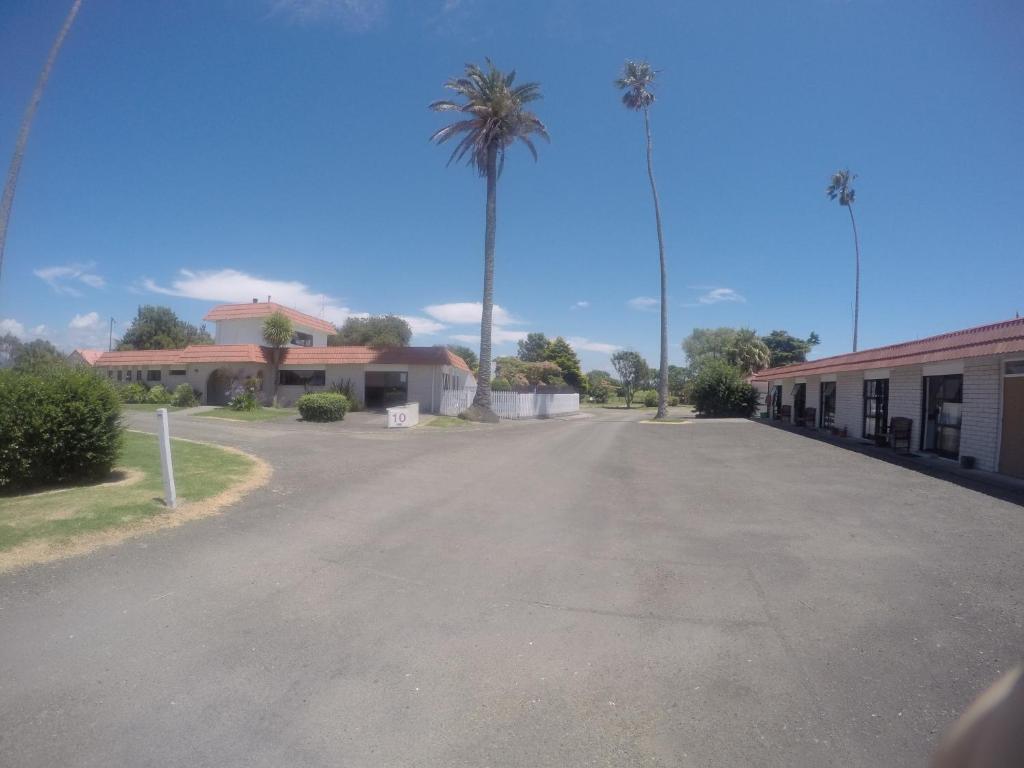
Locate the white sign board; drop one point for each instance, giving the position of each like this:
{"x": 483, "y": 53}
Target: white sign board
{"x": 404, "y": 416}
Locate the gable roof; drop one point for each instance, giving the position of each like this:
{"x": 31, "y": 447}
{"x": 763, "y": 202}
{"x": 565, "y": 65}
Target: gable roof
{"x": 984, "y": 340}
{"x": 265, "y": 308}
{"x": 197, "y": 353}
{"x": 90, "y": 356}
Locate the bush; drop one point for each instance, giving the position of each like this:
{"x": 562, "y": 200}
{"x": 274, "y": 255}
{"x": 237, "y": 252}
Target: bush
{"x": 185, "y": 396}
{"x": 322, "y": 406}
{"x": 135, "y": 392}
{"x": 500, "y": 385}
{"x": 57, "y": 428}
{"x": 601, "y": 390}
{"x": 673, "y": 400}
{"x": 244, "y": 398}
{"x": 159, "y": 395}
{"x": 347, "y": 388}
{"x": 719, "y": 389}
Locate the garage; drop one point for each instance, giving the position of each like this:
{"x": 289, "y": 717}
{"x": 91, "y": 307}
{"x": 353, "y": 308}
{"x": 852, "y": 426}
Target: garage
{"x": 383, "y": 389}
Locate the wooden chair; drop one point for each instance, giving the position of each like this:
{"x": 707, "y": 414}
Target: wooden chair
{"x": 900, "y": 430}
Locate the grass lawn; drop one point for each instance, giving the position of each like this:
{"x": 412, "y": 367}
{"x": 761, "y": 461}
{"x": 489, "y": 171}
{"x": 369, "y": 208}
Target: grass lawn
{"x": 148, "y": 407}
{"x": 447, "y": 421}
{"x": 58, "y": 516}
{"x": 260, "y": 414}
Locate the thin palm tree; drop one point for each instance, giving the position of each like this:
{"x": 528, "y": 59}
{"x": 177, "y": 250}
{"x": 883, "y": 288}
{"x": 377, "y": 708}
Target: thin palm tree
{"x": 637, "y": 81}
{"x": 841, "y": 189}
{"x": 496, "y": 117}
{"x": 277, "y": 333}
{"x": 26, "y": 128}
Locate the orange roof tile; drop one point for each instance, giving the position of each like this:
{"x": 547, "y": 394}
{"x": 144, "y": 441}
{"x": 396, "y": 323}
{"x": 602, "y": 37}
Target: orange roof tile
{"x": 90, "y": 356}
{"x": 995, "y": 339}
{"x": 197, "y": 353}
{"x": 263, "y": 309}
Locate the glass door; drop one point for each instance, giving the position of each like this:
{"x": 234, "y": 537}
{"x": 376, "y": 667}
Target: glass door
{"x": 943, "y": 400}
{"x": 876, "y": 408}
{"x": 828, "y": 404}
{"x": 799, "y": 402}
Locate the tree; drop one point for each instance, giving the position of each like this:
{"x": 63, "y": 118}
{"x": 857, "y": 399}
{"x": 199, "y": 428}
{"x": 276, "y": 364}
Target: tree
{"x": 159, "y": 328}
{"x": 9, "y": 346}
{"x": 633, "y": 372}
{"x": 748, "y": 353}
{"x": 720, "y": 389}
{"x": 533, "y": 348}
{"x": 10, "y": 186}
{"x": 36, "y": 356}
{"x": 637, "y": 81}
{"x": 840, "y": 189}
{"x": 376, "y": 331}
{"x": 787, "y": 349}
{"x": 561, "y": 353}
{"x": 277, "y": 332}
{"x": 466, "y": 354}
{"x": 678, "y": 379}
{"x": 708, "y": 344}
{"x": 520, "y": 374}
{"x": 496, "y": 118}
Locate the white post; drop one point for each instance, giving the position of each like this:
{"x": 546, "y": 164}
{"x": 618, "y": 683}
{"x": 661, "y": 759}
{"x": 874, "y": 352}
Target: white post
{"x": 164, "y": 435}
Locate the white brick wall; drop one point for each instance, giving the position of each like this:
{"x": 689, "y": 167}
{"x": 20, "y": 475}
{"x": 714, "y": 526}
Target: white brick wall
{"x": 814, "y": 398}
{"x": 905, "y": 398}
{"x": 979, "y": 433}
{"x": 850, "y": 402}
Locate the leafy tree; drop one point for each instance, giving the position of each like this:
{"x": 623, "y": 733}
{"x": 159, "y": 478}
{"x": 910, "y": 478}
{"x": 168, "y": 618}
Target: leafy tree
{"x": 561, "y": 353}
{"x": 740, "y": 347}
{"x": 787, "y": 349}
{"x": 633, "y": 372}
{"x": 840, "y": 188}
{"x": 159, "y": 328}
{"x": 678, "y": 379}
{"x": 36, "y": 357}
{"x": 637, "y": 81}
{"x": 720, "y": 389}
{"x": 26, "y": 127}
{"x": 466, "y": 354}
{"x": 597, "y": 375}
{"x": 376, "y": 331}
{"x": 277, "y": 333}
{"x": 748, "y": 353}
{"x": 521, "y": 374}
{"x": 495, "y": 118}
{"x": 9, "y": 346}
{"x": 533, "y": 348}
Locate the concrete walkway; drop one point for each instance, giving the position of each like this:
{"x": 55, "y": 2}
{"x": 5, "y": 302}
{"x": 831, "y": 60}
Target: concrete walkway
{"x": 587, "y": 592}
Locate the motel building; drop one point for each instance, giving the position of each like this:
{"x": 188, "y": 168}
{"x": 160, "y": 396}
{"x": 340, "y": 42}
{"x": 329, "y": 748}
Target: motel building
{"x": 379, "y": 378}
{"x": 962, "y": 392}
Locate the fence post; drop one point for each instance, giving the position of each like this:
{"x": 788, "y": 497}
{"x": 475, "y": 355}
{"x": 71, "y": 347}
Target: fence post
{"x": 164, "y": 436}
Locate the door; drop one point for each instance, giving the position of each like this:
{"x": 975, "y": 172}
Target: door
{"x": 943, "y": 399}
{"x": 876, "y": 408}
{"x": 799, "y": 402}
{"x": 1011, "y": 452}
{"x": 384, "y": 389}
{"x": 828, "y": 404}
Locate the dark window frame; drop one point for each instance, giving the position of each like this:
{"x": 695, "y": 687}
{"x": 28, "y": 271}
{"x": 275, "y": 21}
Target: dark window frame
{"x": 302, "y": 339}
{"x": 880, "y": 417}
{"x": 178, "y": 372}
{"x": 153, "y": 374}
{"x": 302, "y": 378}
{"x": 827, "y": 417}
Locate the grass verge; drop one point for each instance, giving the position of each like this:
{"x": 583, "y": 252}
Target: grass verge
{"x": 46, "y": 525}
{"x": 260, "y": 414}
{"x": 447, "y": 421}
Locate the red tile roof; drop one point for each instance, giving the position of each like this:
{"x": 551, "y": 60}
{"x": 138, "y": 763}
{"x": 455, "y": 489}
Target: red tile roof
{"x": 90, "y": 356}
{"x": 199, "y": 353}
{"x": 263, "y": 309}
{"x": 995, "y": 339}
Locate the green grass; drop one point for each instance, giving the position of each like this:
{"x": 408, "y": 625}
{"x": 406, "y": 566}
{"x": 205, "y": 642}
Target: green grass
{"x": 148, "y": 407}
{"x": 200, "y": 471}
{"x": 260, "y": 414}
{"x": 447, "y": 421}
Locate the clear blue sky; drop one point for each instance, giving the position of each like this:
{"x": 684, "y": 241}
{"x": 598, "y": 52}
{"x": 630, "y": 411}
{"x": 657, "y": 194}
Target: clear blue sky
{"x": 197, "y": 151}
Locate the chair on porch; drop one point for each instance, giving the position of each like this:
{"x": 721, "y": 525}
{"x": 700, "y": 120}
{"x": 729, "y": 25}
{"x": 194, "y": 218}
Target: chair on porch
{"x": 900, "y": 429}
{"x": 810, "y": 417}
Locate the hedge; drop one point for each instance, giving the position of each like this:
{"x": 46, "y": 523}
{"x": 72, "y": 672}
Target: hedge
{"x": 719, "y": 389}
{"x": 322, "y": 406}
{"x": 57, "y": 428}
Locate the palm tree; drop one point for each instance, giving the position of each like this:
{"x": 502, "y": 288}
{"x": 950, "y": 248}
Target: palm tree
{"x": 637, "y": 81}
{"x": 277, "y": 332}
{"x": 748, "y": 353}
{"x": 26, "y": 128}
{"x": 495, "y": 118}
{"x": 840, "y": 188}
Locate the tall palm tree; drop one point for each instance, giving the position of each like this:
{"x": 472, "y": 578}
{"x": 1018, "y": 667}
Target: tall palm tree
{"x": 496, "y": 116}
{"x": 277, "y": 333}
{"x": 840, "y": 189}
{"x": 637, "y": 81}
{"x": 26, "y": 128}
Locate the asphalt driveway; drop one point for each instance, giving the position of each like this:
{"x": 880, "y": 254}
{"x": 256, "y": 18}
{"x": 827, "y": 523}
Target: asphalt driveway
{"x": 587, "y": 592}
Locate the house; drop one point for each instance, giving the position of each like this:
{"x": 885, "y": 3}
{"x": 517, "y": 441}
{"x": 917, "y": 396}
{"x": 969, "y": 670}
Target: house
{"x": 86, "y": 357}
{"x": 379, "y": 378}
{"x": 963, "y": 391}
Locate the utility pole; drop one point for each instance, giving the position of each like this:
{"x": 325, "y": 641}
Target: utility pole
{"x": 110, "y": 338}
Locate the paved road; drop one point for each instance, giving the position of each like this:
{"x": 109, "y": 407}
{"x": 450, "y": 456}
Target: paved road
{"x": 597, "y": 592}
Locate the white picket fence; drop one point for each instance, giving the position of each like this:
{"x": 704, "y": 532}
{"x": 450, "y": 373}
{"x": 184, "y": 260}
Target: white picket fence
{"x": 512, "y": 405}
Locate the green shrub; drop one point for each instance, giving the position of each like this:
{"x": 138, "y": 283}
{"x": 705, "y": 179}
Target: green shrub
{"x": 322, "y": 406}
{"x": 159, "y": 395}
{"x": 135, "y": 392}
{"x": 500, "y": 385}
{"x": 347, "y": 388}
{"x": 719, "y": 389}
{"x": 601, "y": 390}
{"x": 673, "y": 400}
{"x": 57, "y": 427}
{"x": 185, "y": 396}
{"x": 243, "y": 398}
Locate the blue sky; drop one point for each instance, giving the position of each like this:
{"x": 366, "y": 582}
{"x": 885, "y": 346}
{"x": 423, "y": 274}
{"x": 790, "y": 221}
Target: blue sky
{"x": 199, "y": 151}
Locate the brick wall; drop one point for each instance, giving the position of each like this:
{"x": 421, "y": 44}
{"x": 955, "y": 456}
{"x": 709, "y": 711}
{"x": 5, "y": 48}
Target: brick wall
{"x": 814, "y": 398}
{"x": 850, "y": 402}
{"x": 905, "y": 398}
{"x": 979, "y": 433}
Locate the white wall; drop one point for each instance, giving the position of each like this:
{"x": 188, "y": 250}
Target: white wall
{"x": 850, "y": 402}
{"x": 979, "y": 429}
{"x": 905, "y": 387}
{"x": 249, "y": 330}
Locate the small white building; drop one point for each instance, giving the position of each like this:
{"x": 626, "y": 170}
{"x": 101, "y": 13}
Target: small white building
{"x": 963, "y": 393}
{"x": 379, "y": 378}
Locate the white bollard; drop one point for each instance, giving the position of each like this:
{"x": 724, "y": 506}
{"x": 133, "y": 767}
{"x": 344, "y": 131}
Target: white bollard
{"x": 164, "y": 436}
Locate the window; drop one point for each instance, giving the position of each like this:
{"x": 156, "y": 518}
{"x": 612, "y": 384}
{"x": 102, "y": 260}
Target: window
{"x": 138, "y": 375}
{"x": 120, "y": 374}
{"x": 110, "y": 373}
{"x": 876, "y": 407}
{"x": 1014, "y": 368}
{"x": 153, "y": 374}
{"x": 303, "y": 378}
{"x": 301, "y": 339}
{"x": 177, "y": 372}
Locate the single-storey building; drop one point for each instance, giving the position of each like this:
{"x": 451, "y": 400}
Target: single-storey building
{"x": 378, "y": 378}
{"x": 962, "y": 391}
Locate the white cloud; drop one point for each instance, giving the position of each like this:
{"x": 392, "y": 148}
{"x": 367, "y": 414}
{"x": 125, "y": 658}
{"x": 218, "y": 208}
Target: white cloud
{"x": 468, "y": 313}
{"x": 586, "y": 345}
{"x": 580, "y": 305}
{"x": 716, "y": 295}
{"x": 356, "y": 15}
{"x": 498, "y": 336}
{"x": 230, "y": 285}
{"x": 423, "y": 326}
{"x": 62, "y": 279}
{"x": 88, "y": 320}
{"x": 643, "y": 303}
{"x": 13, "y": 327}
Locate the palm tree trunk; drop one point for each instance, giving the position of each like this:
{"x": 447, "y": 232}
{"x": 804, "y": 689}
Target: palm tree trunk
{"x": 26, "y": 128}
{"x": 483, "y": 381}
{"x": 856, "y": 290}
{"x": 663, "y": 368}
